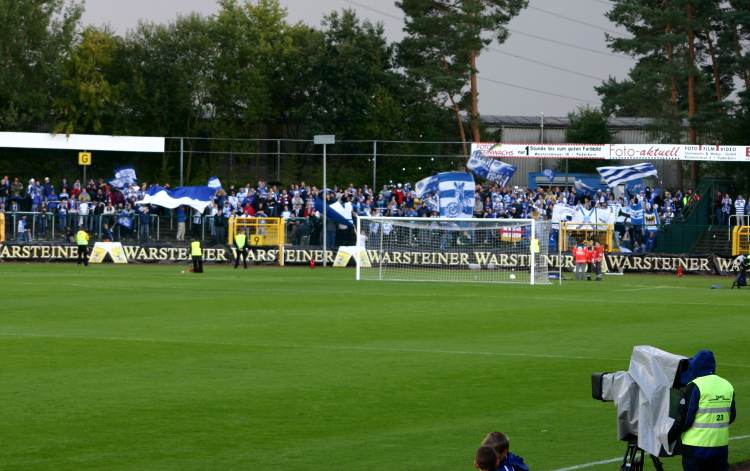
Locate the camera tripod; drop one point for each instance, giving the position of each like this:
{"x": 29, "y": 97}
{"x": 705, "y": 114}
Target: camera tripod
{"x": 634, "y": 457}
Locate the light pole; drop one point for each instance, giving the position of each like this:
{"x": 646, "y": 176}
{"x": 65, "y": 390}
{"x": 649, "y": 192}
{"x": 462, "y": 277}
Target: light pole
{"x": 324, "y": 140}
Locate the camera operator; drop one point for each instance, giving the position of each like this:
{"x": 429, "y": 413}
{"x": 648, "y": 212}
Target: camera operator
{"x": 706, "y": 410}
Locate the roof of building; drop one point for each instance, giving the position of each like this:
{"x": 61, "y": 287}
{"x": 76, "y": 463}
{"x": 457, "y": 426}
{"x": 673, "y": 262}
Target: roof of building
{"x": 560, "y": 121}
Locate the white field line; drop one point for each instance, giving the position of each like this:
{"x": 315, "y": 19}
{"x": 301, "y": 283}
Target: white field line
{"x": 326, "y": 347}
{"x": 645, "y": 288}
{"x": 615, "y": 460}
{"x": 311, "y": 347}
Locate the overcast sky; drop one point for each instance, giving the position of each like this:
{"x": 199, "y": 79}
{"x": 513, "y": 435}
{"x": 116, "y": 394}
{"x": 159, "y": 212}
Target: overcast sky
{"x": 582, "y": 25}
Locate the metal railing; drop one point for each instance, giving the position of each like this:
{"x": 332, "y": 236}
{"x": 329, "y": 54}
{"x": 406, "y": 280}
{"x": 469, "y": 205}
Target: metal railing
{"x": 739, "y": 220}
{"x": 51, "y": 227}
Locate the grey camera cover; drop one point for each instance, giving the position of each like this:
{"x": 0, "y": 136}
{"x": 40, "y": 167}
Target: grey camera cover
{"x": 642, "y": 395}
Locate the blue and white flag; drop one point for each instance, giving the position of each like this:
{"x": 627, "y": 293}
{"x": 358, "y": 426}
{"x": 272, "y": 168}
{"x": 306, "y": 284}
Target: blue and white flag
{"x": 125, "y": 220}
{"x": 336, "y": 211}
{"x": 490, "y": 169}
{"x": 617, "y": 175}
{"x": 456, "y": 194}
{"x": 426, "y": 186}
{"x": 197, "y": 197}
{"x": 123, "y": 178}
{"x": 214, "y": 183}
{"x": 549, "y": 173}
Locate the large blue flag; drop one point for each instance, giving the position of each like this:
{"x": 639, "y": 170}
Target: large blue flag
{"x": 335, "y": 211}
{"x": 197, "y": 197}
{"x": 456, "y": 194}
{"x": 490, "y": 169}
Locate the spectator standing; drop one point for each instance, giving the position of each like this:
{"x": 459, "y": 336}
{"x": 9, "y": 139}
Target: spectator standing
{"x": 220, "y": 227}
{"x": 726, "y": 209}
{"x": 180, "y": 217}
{"x": 4, "y": 190}
{"x": 144, "y": 222}
{"x": 22, "y": 230}
{"x": 739, "y": 209}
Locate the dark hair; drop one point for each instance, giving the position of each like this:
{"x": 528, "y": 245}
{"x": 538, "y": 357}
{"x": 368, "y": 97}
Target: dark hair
{"x": 498, "y": 441}
{"x": 486, "y": 458}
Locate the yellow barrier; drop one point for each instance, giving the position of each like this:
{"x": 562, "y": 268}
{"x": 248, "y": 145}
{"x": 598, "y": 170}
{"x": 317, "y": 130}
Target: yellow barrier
{"x": 602, "y": 233}
{"x": 741, "y": 240}
{"x": 260, "y": 232}
{"x": 2, "y": 227}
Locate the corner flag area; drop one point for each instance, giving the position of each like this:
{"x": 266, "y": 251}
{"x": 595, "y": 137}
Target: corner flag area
{"x": 152, "y": 367}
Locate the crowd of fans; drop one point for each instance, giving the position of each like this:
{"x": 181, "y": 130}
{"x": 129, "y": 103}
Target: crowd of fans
{"x": 98, "y": 207}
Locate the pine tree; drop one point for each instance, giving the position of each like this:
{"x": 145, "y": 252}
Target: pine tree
{"x": 444, "y": 39}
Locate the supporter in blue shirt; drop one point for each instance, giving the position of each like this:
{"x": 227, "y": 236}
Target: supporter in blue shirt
{"x": 507, "y": 461}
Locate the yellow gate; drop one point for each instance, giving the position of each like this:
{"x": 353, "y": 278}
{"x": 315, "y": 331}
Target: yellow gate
{"x": 260, "y": 232}
{"x": 741, "y": 240}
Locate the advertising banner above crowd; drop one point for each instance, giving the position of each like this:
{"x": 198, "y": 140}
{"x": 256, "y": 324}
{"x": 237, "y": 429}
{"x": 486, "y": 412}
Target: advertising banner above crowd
{"x": 615, "y": 151}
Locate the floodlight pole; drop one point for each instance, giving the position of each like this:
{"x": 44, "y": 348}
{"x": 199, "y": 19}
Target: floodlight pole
{"x": 324, "y": 140}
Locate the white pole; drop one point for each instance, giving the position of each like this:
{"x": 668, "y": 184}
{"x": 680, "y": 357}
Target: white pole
{"x": 356, "y": 238}
{"x": 374, "y": 166}
{"x": 182, "y": 154}
{"x": 325, "y": 208}
{"x": 531, "y": 256}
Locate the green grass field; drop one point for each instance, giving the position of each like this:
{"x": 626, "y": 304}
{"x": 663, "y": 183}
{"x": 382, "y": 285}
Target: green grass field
{"x": 145, "y": 368}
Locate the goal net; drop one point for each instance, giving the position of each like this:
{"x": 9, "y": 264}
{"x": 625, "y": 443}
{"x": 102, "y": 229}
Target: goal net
{"x": 443, "y": 249}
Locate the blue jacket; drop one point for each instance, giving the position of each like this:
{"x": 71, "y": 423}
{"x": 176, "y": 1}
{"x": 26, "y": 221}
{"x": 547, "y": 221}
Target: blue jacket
{"x": 513, "y": 462}
{"x": 180, "y": 214}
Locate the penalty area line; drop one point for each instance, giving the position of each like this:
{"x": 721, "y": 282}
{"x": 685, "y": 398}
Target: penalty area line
{"x": 615, "y": 460}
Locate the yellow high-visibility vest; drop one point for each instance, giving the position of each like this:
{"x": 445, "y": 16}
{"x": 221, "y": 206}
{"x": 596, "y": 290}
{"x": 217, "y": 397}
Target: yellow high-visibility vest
{"x": 195, "y": 249}
{"x": 711, "y": 425}
{"x": 240, "y": 240}
{"x": 82, "y": 238}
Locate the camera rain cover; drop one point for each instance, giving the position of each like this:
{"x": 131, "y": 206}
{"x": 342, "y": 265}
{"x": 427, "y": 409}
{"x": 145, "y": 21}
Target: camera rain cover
{"x": 642, "y": 396}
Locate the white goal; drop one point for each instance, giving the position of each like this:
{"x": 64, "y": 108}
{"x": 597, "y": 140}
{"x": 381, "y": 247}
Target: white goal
{"x": 443, "y": 249}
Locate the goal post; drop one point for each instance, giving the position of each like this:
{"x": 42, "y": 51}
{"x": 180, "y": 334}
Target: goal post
{"x": 453, "y": 249}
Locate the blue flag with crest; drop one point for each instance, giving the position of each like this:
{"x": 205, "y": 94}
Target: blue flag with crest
{"x": 490, "y": 169}
{"x": 456, "y": 194}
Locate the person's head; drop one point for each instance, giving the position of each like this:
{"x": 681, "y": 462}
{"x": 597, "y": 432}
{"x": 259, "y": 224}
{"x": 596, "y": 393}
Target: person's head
{"x": 499, "y": 443}
{"x": 486, "y": 459}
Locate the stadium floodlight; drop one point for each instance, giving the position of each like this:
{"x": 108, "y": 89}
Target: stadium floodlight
{"x": 453, "y": 249}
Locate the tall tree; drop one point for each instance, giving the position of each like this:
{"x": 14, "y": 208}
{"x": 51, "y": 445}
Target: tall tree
{"x": 684, "y": 71}
{"x": 444, "y": 39}
{"x": 85, "y": 100}
{"x": 587, "y": 126}
{"x": 35, "y": 39}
